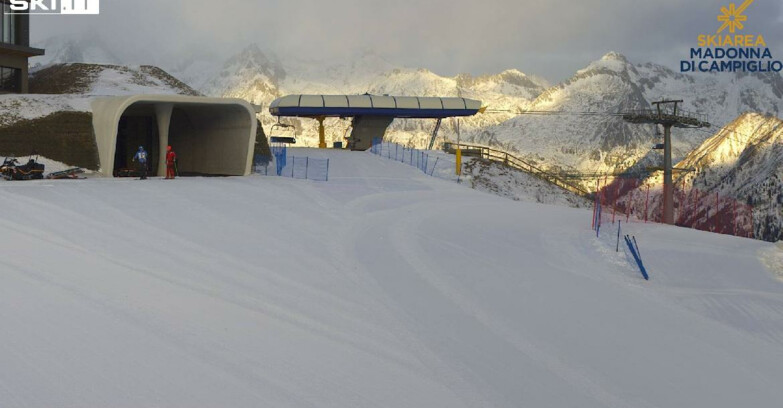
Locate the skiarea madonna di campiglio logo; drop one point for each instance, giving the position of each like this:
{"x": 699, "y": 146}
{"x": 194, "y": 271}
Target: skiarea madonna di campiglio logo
{"x": 730, "y": 49}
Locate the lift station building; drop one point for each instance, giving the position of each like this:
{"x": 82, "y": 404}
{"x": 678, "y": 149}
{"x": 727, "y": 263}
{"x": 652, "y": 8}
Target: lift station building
{"x": 212, "y": 136}
{"x": 372, "y": 114}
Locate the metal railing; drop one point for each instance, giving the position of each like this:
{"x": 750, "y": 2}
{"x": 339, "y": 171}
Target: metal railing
{"x": 489, "y": 153}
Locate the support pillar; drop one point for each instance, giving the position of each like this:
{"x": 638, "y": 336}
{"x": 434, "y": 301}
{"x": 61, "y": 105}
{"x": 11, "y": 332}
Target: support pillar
{"x": 321, "y": 133}
{"x": 668, "y": 182}
{"x": 666, "y": 118}
{"x": 163, "y": 115}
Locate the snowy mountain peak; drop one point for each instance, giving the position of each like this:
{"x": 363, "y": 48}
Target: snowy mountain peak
{"x": 611, "y": 62}
{"x": 70, "y": 49}
{"x": 514, "y": 72}
{"x": 250, "y": 75}
{"x": 606, "y": 85}
{"x": 517, "y": 77}
{"x": 614, "y": 56}
{"x": 252, "y": 58}
{"x": 253, "y": 53}
{"x": 371, "y": 61}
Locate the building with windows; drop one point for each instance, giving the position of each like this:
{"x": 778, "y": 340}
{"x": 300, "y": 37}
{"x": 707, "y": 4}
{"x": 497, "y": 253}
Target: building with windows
{"x": 15, "y": 49}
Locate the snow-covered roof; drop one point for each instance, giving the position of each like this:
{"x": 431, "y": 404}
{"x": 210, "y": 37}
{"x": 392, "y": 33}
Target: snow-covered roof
{"x": 375, "y": 105}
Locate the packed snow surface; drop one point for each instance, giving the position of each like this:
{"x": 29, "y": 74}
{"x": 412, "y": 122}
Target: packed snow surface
{"x": 380, "y": 288}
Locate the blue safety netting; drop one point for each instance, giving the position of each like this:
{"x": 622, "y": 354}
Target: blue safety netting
{"x": 303, "y": 168}
{"x": 413, "y": 157}
{"x": 306, "y": 168}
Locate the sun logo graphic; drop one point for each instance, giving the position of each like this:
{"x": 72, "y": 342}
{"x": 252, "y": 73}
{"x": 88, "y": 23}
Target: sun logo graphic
{"x": 732, "y": 17}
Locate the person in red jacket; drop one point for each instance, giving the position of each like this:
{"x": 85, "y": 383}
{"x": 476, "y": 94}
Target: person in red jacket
{"x": 171, "y": 163}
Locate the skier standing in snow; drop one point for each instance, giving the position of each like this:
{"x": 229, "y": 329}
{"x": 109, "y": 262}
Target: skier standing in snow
{"x": 141, "y": 162}
{"x": 171, "y": 163}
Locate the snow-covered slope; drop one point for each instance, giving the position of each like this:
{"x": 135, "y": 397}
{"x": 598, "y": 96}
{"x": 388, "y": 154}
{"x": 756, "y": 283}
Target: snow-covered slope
{"x": 124, "y": 80}
{"x": 98, "y": 79}
{"x": 496, "y": 178}
{"x": 382, "y": 287}
{"x": 744, "y": 161}
{"x": 71, "y": 87}
{"x": 19, "y": 107}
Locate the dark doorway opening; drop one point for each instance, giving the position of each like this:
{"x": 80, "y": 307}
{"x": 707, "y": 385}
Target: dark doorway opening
{"x": 136, "y": 129}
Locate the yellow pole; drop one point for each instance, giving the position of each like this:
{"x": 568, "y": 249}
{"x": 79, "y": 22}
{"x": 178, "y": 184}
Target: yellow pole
{"x": 459, "y": 161}
{"x": 321, "y": 133}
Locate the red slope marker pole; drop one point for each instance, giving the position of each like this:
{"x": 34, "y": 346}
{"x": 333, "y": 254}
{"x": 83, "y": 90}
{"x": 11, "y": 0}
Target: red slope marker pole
{"x": 734, "y": 215}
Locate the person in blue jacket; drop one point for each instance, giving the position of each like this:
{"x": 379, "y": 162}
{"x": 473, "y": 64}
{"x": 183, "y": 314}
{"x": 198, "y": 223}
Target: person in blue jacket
{"x": 141, "y": 162}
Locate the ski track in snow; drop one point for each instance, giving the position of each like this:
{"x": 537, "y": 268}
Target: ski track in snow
{"x": 382, "y": 287}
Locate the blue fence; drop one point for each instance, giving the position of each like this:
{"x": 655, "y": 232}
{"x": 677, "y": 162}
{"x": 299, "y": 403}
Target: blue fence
{"x": 414, "y": 157}
{"x": 280, "y": 153}
{"x": 303, "y": 168}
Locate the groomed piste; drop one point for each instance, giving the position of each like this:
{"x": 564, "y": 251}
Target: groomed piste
{"x": 383, "y": 287}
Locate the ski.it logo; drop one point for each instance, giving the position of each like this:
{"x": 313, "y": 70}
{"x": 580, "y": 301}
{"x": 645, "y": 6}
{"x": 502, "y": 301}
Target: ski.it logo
{"x": 55, "y": 6}
{"x": 729, "y": 51}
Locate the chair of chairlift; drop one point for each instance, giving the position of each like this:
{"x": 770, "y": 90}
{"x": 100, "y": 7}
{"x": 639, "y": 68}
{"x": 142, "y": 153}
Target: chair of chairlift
{"x": 658, "y": 136}
{"x": 282, "y": 133}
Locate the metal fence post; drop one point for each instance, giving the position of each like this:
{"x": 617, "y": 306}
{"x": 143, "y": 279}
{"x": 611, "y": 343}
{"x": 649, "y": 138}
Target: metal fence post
{"x": 307, "y": 167}
{"x": 327, "y": 169}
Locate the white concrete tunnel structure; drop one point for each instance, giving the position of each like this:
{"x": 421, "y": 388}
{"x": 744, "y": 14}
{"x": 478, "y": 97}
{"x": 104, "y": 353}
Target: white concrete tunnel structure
{"x": 212, "y": 136}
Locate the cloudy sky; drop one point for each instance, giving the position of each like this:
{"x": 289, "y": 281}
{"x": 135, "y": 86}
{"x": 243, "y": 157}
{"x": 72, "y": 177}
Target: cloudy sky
{"x": 551, "y": 38}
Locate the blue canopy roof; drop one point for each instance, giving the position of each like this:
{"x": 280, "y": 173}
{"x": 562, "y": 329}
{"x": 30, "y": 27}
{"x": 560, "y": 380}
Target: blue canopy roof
{"x": 373, "y": 105}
